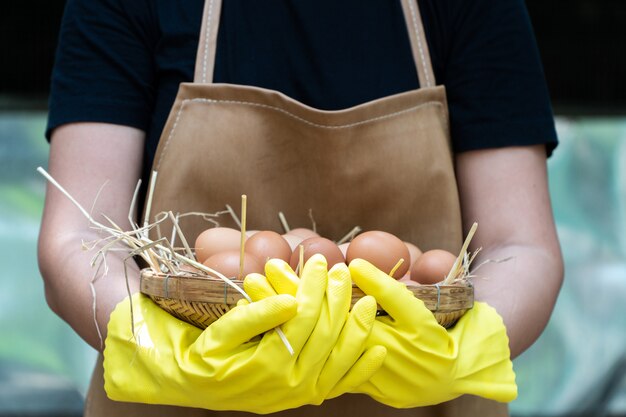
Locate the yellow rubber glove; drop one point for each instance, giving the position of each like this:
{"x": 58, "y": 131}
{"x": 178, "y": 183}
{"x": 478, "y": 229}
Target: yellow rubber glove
{"x": 227, "y": 367}
{"x": 425, "y": 363}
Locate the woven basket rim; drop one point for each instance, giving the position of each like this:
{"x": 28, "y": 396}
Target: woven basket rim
{"x": 206, "y": 289}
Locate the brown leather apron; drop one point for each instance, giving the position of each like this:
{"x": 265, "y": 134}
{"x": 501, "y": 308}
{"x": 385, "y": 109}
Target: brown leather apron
{"x": 383, "y": 165}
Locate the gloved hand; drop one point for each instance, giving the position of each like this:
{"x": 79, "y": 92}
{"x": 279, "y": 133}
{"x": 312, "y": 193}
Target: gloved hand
{"x": 226, "y": 367}
{"x": 425, "y": 363}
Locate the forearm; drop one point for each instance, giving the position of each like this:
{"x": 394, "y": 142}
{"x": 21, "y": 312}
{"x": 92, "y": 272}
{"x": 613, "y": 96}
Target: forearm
{"x": 523, "y": 288}
{"x": 99, "y": 166}
{"x": 506, "y": 192}
{"x": 81, "y": 294}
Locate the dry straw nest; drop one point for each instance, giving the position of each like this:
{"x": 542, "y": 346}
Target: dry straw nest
{"x": 202, "y": 297}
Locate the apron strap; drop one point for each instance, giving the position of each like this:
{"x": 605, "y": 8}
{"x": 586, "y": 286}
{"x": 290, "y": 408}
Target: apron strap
{"x": 419, "y": 46}
{"x": 205, "y": 58}
{"x": 207, "y": 46}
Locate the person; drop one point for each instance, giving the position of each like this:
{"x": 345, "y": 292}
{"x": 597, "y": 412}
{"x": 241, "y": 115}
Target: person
{"x": 119, "y": 65}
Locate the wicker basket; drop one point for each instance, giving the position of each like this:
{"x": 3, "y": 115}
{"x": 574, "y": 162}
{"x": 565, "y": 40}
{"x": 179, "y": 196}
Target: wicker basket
{"x": 201, "y": 300}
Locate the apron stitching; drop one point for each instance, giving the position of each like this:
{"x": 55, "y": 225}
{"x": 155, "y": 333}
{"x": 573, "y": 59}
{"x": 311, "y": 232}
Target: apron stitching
{"x": 206, "y": 42}
{"x": 247, "y": 103}
{"x": 419, "y": 42}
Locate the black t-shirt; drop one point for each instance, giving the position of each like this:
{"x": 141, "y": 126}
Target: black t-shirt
{"x": 121, "y": 61}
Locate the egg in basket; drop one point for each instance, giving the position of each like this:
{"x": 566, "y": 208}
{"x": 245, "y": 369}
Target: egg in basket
{"x": 201, "y": 287}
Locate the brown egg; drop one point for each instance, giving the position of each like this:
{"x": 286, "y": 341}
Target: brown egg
{"x": 314, "y": 245}
{"x": 268, "y": 245}
{"x": 432, "y": 267}
{"x": 414, "y": 251}
{"x": 215, "y": 240}
{"x": 227, "y": 263}
{"x": 381, "y": 249}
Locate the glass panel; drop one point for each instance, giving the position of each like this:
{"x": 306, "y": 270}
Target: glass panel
{"x": 43, "y": 364}
{"x": 580, "y": 360}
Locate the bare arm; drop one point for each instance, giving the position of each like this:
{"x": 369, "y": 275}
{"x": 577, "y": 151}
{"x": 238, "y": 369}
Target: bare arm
{"x": 506, "y": 192}
{"x": 83, "y": 157}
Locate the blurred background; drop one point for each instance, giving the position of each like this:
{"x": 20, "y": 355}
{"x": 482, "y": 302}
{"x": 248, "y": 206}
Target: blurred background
{"x": 578, "y": 366}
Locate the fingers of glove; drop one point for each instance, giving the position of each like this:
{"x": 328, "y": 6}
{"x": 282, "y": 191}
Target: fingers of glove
{"x": 242, "y": 302}
{"x": 332, "y": 317}
{"x": 361, "y": 372}
{"x": 243, "y": 323}
{"x": 350, "y": 344}
{"x": 338, "y": 299}
{"x": 281, "y": 277}
{"x": 310, "y": 298}
{"x": 393, "y": 296}
{"x": 257, "y": 287}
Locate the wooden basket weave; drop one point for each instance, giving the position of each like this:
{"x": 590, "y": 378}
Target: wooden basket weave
{"x": 201, "y": 300}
